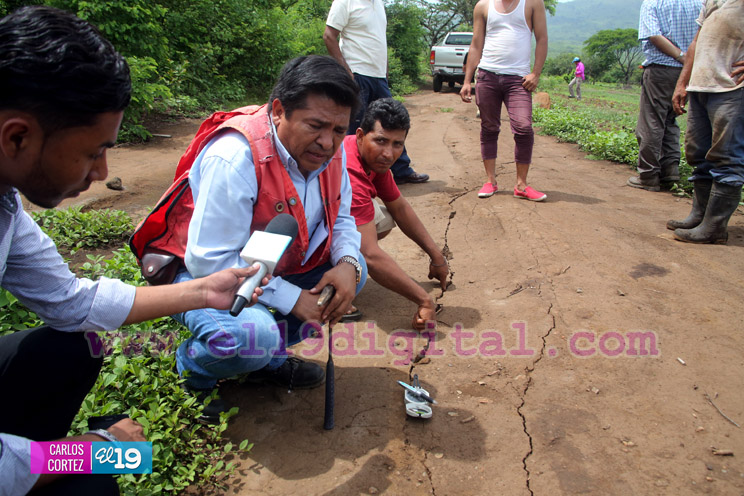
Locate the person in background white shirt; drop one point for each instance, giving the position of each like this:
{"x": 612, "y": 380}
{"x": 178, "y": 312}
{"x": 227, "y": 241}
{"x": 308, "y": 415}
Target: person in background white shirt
{"x": 361, "y": 26}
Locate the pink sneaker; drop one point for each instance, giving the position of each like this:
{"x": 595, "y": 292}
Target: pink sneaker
{"x": 529, "y": 194}
{"x": 487, "y": 190}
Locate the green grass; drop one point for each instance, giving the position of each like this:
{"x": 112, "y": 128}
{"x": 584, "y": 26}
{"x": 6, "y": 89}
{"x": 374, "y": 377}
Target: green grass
{"x": 602, "y": 123}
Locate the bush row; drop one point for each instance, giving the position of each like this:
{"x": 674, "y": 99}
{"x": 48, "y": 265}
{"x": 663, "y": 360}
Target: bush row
{"x": 203, "y": 55}
{"x": 600, "y": 130}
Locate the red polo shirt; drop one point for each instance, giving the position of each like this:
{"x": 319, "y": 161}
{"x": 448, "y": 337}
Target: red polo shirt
{"x": 365, "y": 186}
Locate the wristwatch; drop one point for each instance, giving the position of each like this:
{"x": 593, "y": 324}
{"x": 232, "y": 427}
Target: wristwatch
{"x": 104, "y": 434}
{"x": 353, "y": 261}
{"x": 681, "y": 54}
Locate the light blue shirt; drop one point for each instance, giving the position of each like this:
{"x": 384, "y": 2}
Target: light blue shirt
{"x": 672, "y": 19}
{"x": 225, "y": 189}
{"x": 34, "y": 272}
{"x": 15, "y": 466}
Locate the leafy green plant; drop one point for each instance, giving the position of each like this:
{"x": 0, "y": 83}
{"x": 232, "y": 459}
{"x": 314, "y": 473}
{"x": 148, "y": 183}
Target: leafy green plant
{"x": 121, "y": 265}
{"x": 604, "y": 130}
{"x": 139, "y": 378}
{"x": 400, "y": 82}
{"x": 147, "y": 96}
{"x": 405, "y": 35}
{"x": 139, "y": 375}
{"x": 72, "y": 228}
{"x": 14, "y": 316}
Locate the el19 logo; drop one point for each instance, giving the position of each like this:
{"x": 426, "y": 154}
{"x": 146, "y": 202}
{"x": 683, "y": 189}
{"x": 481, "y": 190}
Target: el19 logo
{"x": 122, "y": 458}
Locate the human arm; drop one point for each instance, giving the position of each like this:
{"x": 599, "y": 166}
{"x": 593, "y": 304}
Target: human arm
{"x": 476, "y": 48}
{"x": 125, "y": 430}
{"x": 338, "y": 18}
{"x": 15, "y": 456}
{"x": 679, "y": 98}
{"x": 214, "y": 291}
{"x": 383, "y": 269}
{"x": 330, "y": 38}
{"x": 15, "y": 465}
{"x": 667, "y": 48}
{"x": 37, "y": 275}
{"x": 540, "y": 29}
{"x": 405, "y": 217}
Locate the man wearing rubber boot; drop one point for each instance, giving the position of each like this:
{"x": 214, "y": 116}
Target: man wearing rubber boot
{"x": 666, "y": 29}
{"x": 713, "y": 78}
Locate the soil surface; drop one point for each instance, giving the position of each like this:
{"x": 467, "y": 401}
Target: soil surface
{"x": 580, "y": 349}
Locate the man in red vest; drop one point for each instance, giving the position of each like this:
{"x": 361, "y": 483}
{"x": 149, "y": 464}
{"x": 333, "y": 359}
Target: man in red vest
{"x": 369, "y": 155}
{"x": 278, "y": 158}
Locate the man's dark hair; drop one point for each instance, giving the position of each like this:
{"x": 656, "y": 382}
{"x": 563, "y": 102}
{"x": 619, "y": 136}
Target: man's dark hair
{"x": 59, "y": 68}
{"x": 391, "y": 114}
{"x": 318, "y": 75}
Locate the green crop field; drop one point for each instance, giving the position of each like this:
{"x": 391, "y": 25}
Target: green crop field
{"x": 602, "y": 123}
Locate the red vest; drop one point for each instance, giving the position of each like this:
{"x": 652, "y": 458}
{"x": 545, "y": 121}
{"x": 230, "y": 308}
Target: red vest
{"x": 165, "y": 229}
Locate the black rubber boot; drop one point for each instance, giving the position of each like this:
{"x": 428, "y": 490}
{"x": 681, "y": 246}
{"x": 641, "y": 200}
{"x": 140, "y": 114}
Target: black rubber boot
{"x": 294, "y": 373}
{"x": 212, "y": 406}
{"x": 712, "y": 230}
{"x": 700, "y": 197}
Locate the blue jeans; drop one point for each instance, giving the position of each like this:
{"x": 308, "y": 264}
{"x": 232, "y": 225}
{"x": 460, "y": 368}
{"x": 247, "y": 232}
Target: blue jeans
{"x": 223, "y": 346}
{"x": 714, "y": 141}
{"x": 371, "y": 89}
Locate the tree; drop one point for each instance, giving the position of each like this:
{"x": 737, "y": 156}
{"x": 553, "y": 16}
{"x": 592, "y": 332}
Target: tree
{"x": 618, "y": 47}
{"x": 560, "y": 65}
{"x": 441, "y": 17}
{"x": 406, "y": 36}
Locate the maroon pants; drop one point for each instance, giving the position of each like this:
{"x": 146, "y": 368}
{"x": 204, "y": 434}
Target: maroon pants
{"x": 491, "y": 91}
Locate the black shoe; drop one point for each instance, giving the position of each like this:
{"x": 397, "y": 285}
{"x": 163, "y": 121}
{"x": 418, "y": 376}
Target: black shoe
{"x": 640, "y": 183}
{"x": 292, "y": 374}
{"x": 414, "y": 178}
{"x": 212, "y": 406}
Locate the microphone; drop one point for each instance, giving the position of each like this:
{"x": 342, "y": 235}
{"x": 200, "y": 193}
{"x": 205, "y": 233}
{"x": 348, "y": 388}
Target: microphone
{"x": 264, "y": 249}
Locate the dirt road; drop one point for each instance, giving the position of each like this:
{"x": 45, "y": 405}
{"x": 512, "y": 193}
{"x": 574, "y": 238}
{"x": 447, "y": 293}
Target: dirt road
{"x": 573, "y": 355}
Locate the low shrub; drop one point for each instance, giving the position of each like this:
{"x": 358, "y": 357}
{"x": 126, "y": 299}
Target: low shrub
{"x": 139, "y": 375}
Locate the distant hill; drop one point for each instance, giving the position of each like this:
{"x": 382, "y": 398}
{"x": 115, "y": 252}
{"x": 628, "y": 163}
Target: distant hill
{"x": 576, "y": 21}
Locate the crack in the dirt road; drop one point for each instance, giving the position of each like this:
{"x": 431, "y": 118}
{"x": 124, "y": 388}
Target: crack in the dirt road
{"x": 429, "y": 475}
{"x": 528, "y": 371}
{"x": 447, "y": 253}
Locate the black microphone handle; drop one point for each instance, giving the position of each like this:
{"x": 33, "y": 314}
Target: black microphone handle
{"x": 245, "y": 292}
{"x": 328, "y": 420}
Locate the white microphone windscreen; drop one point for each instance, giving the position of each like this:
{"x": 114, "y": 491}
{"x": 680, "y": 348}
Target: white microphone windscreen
{"x": 265, "y": 247}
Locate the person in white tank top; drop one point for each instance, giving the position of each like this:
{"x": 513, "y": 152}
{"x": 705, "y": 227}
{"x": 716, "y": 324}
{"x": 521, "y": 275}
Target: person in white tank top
{"x": 500, "y": 50}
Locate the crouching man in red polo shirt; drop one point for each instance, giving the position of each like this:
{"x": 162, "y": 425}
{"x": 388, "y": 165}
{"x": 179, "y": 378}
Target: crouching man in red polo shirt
{"x": 370, "y": 153}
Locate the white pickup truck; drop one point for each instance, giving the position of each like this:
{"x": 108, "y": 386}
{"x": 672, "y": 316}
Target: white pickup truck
{"x": 446, "y": 59}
